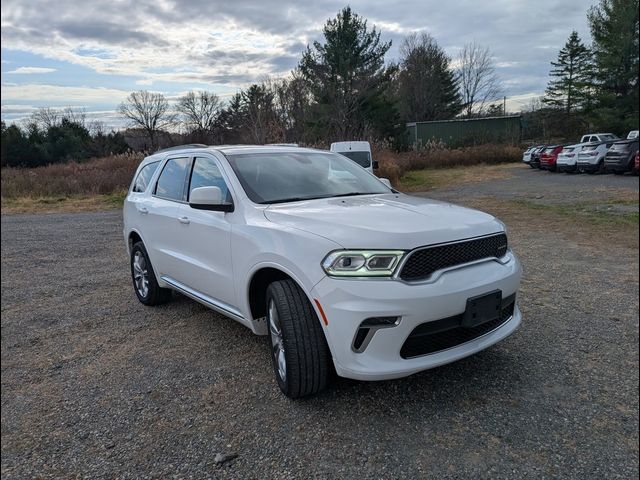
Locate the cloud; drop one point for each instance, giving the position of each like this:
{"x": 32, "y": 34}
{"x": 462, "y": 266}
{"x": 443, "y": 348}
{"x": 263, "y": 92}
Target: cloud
{"x": 32, "y": 70}
{"x": 55, "y": 95}
{"x": 217, "y": 44}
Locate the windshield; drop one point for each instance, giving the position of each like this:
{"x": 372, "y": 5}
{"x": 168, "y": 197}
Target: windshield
{"x": 291, "y": 176}
{"x": 608, "y": 136}
{"x": 589, "y": 147}
{"x": 361, "y": 158}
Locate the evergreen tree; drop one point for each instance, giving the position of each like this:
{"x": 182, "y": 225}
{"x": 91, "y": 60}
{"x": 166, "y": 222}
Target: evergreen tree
{"x": 614, "y": 29}
{"x": 569, "y": 88}
{"x": 427, "y": 88}
{"x": 347, "y": 76}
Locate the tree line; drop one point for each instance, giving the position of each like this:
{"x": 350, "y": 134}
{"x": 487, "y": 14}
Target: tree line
{"x": 343, "y": 88}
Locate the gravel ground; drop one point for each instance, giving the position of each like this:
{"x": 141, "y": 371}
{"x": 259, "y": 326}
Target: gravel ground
{"x": 544, "y": 187}
{"x": 96, "y": 385}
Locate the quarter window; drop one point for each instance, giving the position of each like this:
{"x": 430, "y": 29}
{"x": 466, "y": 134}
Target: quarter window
{"x": 207, "y": 174}
{"x": 171, "y": 181}
{"x": 144, "y": 176}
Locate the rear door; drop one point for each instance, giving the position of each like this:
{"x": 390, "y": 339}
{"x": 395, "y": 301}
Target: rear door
{"x": 205, "y": 239}
{"x": 162, "y": 231}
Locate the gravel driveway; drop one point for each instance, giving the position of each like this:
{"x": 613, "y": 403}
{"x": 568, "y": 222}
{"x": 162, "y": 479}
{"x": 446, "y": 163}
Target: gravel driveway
{"x": 96, "y": 385}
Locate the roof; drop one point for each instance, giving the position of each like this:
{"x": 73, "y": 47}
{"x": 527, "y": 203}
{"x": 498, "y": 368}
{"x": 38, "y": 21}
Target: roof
{"x": 231, "y": 149}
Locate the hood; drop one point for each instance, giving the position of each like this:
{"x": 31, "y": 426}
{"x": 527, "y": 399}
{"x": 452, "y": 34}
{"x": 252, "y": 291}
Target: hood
{"x": 393, "y": 221}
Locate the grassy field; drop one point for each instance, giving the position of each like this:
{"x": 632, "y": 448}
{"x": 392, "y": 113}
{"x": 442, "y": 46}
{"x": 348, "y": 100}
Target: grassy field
{"x": 429, "y": 178}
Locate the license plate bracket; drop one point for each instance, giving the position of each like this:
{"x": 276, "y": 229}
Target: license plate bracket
{"x": 482, "y": 309}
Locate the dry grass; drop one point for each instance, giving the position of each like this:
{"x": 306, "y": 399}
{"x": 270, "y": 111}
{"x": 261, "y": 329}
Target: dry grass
{"x": 62, "y": 203}
{"x": 101, "y": 176}
{"x": 422, "y": 180}
{"x": 395, "y": 165}
{"x": 586, "y": 227}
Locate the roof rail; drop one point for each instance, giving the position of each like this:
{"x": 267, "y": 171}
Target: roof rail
{"x": 180, "y": 147}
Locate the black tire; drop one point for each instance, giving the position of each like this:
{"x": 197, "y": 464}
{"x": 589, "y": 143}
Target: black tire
{"x": 155, "y": 295}
{"x": 601, "y": 168}
{"x": 305, "y": 348}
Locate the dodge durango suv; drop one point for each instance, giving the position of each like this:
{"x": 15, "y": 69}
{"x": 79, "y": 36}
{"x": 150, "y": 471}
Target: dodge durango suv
{"x": 338, "y": 269}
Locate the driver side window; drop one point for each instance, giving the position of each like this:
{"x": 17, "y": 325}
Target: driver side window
{"x": 206, "y": 173}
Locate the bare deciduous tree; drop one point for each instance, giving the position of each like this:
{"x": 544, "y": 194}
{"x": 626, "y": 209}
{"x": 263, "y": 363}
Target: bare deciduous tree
{"x": 147, "y": 111}
{"x": 479, "y": 84}
{"x": 47, "y": 117}
{"x": 199, "y": 112}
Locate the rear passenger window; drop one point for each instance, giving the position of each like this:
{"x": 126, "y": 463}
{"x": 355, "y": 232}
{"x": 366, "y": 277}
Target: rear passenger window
{"x": 145, "y": 174}
{"x": 171, "y": 181}
{"x": 207, "y": 174}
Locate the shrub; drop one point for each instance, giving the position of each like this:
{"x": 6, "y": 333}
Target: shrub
{"x": 97, "y": 176}
{"x": 393, "y": 165}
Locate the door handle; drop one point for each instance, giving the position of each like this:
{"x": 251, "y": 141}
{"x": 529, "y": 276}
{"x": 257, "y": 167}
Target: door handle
{"x": 184, "y": 220}
{"x": 143, "y": 210}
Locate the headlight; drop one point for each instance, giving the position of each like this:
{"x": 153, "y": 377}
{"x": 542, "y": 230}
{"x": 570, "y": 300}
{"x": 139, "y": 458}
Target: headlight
{"x": 362, "y": 263}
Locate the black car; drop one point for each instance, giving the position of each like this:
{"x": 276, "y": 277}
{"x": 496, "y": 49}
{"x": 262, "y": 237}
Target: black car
{"x": 620, "y": 157}
{"x": 535, "y": 156}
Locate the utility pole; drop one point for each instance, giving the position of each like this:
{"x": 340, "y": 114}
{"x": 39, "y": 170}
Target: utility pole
{"x": 504, "y": 105}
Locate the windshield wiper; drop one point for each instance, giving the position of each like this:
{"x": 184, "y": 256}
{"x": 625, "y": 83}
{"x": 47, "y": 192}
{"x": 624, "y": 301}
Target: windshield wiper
{"x": 300, "y": 199}
{"x": 352, "y": 194}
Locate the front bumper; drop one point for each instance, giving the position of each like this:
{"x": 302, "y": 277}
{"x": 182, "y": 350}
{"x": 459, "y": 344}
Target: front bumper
{"x": 347, "y": 303}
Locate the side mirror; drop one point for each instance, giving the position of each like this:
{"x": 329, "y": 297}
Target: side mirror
{"x": 376, "y": 165}
{"x": 209, "y": 198}
{"x": 386, "y": 182}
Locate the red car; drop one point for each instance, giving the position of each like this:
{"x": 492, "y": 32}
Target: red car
{"x": 549, "y": 157}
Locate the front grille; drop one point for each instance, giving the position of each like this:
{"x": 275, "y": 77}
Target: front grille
{"x": 424, "y": 261}
{"x": 431, "y": 337}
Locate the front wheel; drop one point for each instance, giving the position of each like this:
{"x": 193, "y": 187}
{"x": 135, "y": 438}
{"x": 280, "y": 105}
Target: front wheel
{"x": 299, "y": 350}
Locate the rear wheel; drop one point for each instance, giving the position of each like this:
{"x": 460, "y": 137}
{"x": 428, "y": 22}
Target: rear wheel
{"x": 144, "y": 278}
{"x": 299, "y": 351}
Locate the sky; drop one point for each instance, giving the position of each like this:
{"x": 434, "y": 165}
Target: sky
{"x": 90, "y": 54}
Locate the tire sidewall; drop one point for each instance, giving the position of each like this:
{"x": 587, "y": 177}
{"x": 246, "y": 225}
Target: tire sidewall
{"x": 282, "y": 383}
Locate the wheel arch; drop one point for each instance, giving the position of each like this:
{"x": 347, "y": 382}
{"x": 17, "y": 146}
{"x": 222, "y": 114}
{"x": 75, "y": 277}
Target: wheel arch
{"x": 260, "y": 278}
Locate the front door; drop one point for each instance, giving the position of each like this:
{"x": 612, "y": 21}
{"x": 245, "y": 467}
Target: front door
{"x": 205, "y": 239}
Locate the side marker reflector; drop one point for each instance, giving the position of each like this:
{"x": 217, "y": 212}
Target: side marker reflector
{"x": 324, "y": 317}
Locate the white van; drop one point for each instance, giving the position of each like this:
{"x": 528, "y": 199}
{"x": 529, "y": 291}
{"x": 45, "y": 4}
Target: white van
{"x": 359, "y": 152}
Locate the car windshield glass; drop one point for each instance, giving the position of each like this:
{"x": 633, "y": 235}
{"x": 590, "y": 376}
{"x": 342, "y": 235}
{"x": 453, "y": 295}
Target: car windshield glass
{"x": 361, "y": 158}
{"x": 589, "y": 147}
{"x": 291, "y": 176}
{"x": 549, "y": 150}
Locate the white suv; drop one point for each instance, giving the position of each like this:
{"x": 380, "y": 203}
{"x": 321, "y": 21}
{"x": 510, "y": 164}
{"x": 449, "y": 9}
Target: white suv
{"x": 311, "y": 249}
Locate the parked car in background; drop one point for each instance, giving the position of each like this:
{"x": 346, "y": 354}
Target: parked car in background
{"x": 598, "y": 137}
{"x": 526, "y": 156}
{"x": 534, "y": 161}
{"x": 549, "y": 157}
{"x": 636, "y": 169}
{"x": 620, "y": 158}
{"x": 359, "y": 152}
{"x": 632, "y": 134}
{"x": 591, "y": 157}
{"x": 567, "y": 160}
